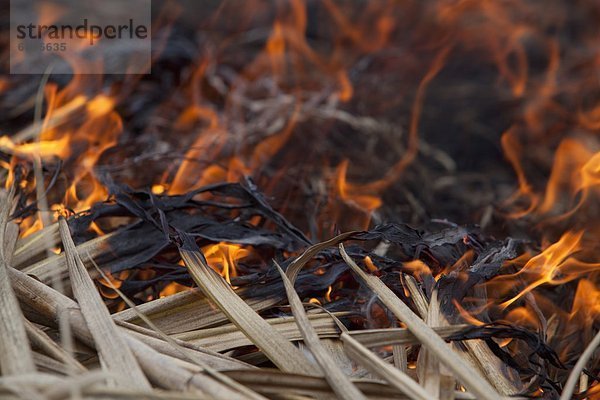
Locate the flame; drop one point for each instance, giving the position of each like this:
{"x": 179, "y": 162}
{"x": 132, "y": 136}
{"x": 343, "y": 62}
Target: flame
{"x": 512, "y": 151}
{"x": 44, "y": 149}
{"x": 586, "y": 304}
{"x": 466, "y": 315}
{"x": 88, "y": 124}
{"x": 194, "y": 114}
{"x": 173, "y": 288}
{"x": 369, "y": 38}
{"x": 328, "y": 294}
{"x": 315, "y": 301}
{"x": 275, "y": 48}
{"x": 29, "y": 227}
{"x": 106, "y": 286}
{"x": 417, "y": 267}
{"x": 158, "y": 189}
{"x": 523, "y": 317}
{"x": 49, "y": 13}
{"x": 352, "y": 195}
{"x": 346, "y": 90}
{"x": 224, "y": 257}
{"x": 575, "y": 171}
{"x": 100, "y": 106}
{"x": 370, "y": 265}
{"x": 555, "y": 265}
{"x": 395, "y": 172}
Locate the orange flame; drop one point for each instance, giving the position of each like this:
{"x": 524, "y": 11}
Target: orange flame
{"x": 370, "y": 264}
{"x": 418, "y": 268}
{"x": 106, "y": 287}
{"x": 173, "y": 288}
{"x": 576, "y": 170}
{"x": 555, "y": 265}
{"x": 466, "y": 315}
{"x": 586, "y": 304}
{"x": 223, "y": 258}
{"x": 352, "y": 195}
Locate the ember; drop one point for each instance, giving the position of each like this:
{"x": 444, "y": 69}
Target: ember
{"x": 362, "y": 199}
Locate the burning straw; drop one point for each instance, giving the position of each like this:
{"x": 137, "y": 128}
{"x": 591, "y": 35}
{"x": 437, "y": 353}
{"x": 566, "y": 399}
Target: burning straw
{"x": 149, "y": 348}
{"x": 269, "y": 213}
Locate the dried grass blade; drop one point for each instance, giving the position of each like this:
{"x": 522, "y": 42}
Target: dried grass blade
{"x": 481, "y": 356}
{"x": 377, "y": 366}
{"x": 50, "y": 365}
{"x": 400, "y": 336}
{"x": 230, "y": 337}
{"x": 16, "y": 356}
{"x": 104, "y": 393}
{"x": 428, "y": 366}
{"x": 186, "y": 311}
{"x": 170, "y": 375}
{"x": 35, "y": 244}
{"x": 417, "y": 296}
{"x": 273, "y": 382}
{"x": 40, "y": 341}
{"x": 45, "y": 303}
{"x": 76, "y": 384}
{"x": 219, "y": 379}
{"x": 115, "y": 354}
{"x": 340, "y": 383}
{"x": 579, "y": 366}
{"x": 294, "y": 268}
{"x": 427, "y": 336}
{"x": 279, "y": 350}
{"x": 55, "y": 266}
{"x": 193, "y": 353}
{"x": 400, "y": 357}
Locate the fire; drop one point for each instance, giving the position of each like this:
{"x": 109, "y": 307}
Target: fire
{"x": 586, "y": 304}
{"x": 574, "y": 177}
{"x": 353, "y": 195}
{"x": 106, "y": 287}
{"x": 369, "y": 38}
{"x": 276, "y": 49}
{"x": 412, "y": 146}
{"x": 224, "y": 258}
{"x": 76, "y": 129}
{"x": 45, "y": 148}
{"x": 555, "y": 265}
{"x": 31, "y": 227}
{"x": 276, "y": 97}
{"x": 523, "y": 316}
{"x": 315, "y": 301}
{"x": 512, "y": 151}
{"x": 417, "y": 268}
{"x": 466, "y": 316}
{"x": 100, "y": 106}
{"x": 590, "y": 173}
{"x": 328, "y": 294}
{"x": 346, "y": 90}
{"x": 173, "y": 288}
{"x": 575, "y": 170}
{"x": 370, "y": 265}
{"x": 158, "y": 189}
